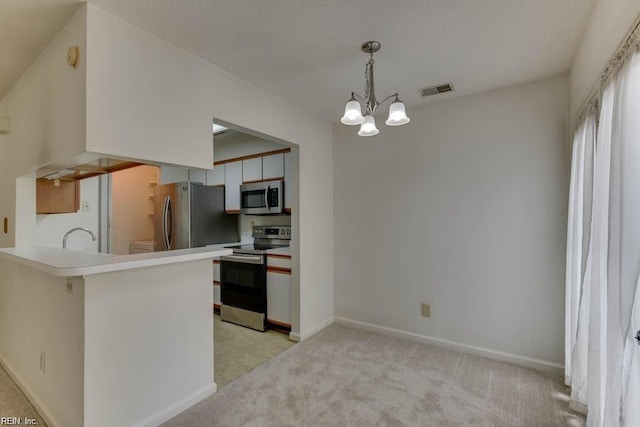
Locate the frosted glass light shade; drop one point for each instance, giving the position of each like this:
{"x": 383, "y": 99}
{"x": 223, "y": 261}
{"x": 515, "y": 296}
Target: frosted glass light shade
{"x": 352, "y": 113}
{"x": 397, "y": 115}
{"x": 368, "y": 127}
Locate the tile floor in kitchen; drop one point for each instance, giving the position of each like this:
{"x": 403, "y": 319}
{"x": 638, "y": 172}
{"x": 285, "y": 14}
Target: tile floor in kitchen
{"x": 238, "y": 350}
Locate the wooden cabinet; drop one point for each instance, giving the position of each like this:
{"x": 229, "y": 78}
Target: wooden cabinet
{"x": 273, "y": 166}
{"x": 279, "y": 290}
{"x": 216, "y": 176}
{"x": 233, "y": 180}
{"x": 252, "y": 169}
{"x": 53, "y": 199}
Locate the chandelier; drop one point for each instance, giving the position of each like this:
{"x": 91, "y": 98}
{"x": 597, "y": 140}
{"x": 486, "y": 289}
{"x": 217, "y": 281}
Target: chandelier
{"x": 356, "y": 104}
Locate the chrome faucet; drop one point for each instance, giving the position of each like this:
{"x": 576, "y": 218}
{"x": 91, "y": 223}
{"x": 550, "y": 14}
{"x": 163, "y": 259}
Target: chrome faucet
{"x": 64, "y": 239}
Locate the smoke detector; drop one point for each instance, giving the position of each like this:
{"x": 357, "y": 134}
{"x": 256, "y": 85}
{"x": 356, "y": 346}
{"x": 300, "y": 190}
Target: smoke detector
{"x": 435, "y": 90}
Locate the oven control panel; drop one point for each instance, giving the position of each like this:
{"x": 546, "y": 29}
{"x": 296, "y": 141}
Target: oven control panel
{"x": 272, "y": 232}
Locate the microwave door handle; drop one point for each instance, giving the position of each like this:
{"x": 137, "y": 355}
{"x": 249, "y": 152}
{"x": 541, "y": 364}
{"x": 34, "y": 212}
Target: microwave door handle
{"x": 266, "y": 197}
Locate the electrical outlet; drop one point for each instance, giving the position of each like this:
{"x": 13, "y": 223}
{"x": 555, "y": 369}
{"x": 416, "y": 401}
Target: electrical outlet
{"x": 42, "y": 361}
{"x": 426, "y": 310}
{"x": 70, "y": 286}
{"x": 86, "y": 206}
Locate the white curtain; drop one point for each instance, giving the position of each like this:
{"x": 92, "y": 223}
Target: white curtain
{"x": 608, "y": 307}
{"x": 578, "y": 238}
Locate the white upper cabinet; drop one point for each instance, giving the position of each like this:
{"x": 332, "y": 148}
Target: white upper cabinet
{"x": 216, "y": 176}
{"x": 252, "y": 169}
{"x": 233, "y": 180}
{"x": 198, "y": 175}
{"x": 171, "y": 174}
{"x": 273, "y": 166}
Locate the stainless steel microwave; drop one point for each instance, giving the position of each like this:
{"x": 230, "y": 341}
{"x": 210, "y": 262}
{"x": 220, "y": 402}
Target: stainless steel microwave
{"x": 262, "y": 198}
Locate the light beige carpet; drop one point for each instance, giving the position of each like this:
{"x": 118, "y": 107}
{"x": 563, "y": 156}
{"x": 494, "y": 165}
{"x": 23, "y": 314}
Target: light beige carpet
{"x": 13, "y": 403}
{"x": 348, "y": 377}
{"x": 237, "y": 349}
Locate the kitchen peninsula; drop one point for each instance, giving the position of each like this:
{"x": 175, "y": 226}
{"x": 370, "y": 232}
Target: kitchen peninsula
{"x": 108, "y": 340}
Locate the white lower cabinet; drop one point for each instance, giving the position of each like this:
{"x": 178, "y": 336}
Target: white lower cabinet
{"x": 279, "y": 289}
{"x": 279, "y": 297}
{"x": 216, "y": 281}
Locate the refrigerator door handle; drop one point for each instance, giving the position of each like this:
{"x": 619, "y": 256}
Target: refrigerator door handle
{"x": 164, "y": 222}
{"x": 169, "y": 223}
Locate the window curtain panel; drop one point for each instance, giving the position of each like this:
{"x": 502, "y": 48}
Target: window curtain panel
{"x": 614, "y": 261}
{"x": 578, "y": 239}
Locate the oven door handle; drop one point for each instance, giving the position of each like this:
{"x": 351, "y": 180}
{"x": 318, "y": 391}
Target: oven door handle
{"x": 247, "y": 259}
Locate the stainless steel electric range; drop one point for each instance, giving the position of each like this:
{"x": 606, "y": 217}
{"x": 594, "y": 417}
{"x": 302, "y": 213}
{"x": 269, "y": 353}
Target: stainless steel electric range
{"x": 243, "y": 277}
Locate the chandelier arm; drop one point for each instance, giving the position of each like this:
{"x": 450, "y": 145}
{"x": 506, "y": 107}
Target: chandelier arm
{"x": 387, "y": 98}
{"x": 358, "y": 98}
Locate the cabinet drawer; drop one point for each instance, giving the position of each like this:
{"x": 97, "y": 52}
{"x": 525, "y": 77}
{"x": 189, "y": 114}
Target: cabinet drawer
{"x": 278, "y": 261}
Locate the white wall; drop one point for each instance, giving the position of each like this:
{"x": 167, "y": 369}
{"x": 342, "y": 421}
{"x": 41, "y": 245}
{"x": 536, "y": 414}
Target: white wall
{"x": 231, "y": 145}
{"x": 46, "y": 108}
{"x": 463, "y": 208}
{"x": 51, "y": 228}
{"x": 609, "y": 23}
{"x": 145, "y": 363}
{"x": 130, "y": 207}
{"x": 37, "y": 314}
{"x": 147, "y": 98}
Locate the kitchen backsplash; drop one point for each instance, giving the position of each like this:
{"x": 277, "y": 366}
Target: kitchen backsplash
{"x": 247, "y": 221}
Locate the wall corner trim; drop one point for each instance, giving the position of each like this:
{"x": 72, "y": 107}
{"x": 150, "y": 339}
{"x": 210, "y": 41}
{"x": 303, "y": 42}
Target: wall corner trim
{"x": 541, "y": 365}
{"x": 311, "y": 332}
{"x": 4, "y": 125}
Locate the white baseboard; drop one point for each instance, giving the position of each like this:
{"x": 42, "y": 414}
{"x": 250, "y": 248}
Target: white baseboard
{"x": 37, "y": 403}
{"x": 153, "y": 420}
{"x": 166, "y": 415}
{"x": 541, "y": 365}
{"x": 578, "y": 407}
{"x": 311, "y": 332}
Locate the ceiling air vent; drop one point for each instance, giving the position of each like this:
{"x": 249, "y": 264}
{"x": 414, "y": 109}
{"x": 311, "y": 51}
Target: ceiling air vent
{"x": 435, "y": 90}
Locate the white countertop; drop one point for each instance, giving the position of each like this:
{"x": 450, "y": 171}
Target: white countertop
{"x": 66, "y": 263}
{"x": 280, "y": 251}
{"x": 275, "y": 251}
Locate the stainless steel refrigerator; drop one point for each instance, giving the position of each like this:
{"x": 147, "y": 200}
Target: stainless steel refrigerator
{"x": 190, "y": 215}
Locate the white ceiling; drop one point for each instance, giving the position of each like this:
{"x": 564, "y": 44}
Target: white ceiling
{"x": 308, "y": 51}
{"x": 26, "y": 28}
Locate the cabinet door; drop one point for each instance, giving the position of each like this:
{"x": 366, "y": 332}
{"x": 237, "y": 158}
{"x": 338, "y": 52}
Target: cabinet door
{"x": 216, "y": 281}
{"x": 171, "y": 174}
{"x": 198, "y": 175}
{"x": 252, "y": 170}
{"x": 273, "y": 166}
{"x": 216, "y": 176}
{"x": 279, "y": 296}
{"x": 288, "y": 186}
{"x": 61, "y": 198}
{"x": 233, "y": 180}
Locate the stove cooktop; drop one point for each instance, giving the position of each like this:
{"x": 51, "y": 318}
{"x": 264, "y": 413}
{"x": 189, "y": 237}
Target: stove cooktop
{"x": 254, "y": 248}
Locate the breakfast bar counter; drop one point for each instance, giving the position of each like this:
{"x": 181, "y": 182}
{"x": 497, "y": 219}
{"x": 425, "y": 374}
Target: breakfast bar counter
{"x": 108, "y": 340}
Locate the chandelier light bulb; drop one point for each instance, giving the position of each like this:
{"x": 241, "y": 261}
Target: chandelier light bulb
{"x": 368, "y": 127}
{"x": 397, "y": 114}
{"x": 352, "y": 113}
